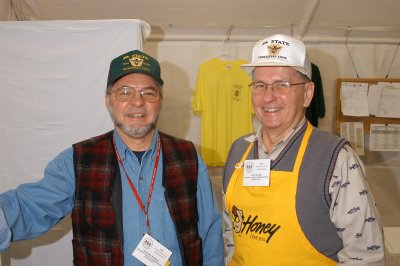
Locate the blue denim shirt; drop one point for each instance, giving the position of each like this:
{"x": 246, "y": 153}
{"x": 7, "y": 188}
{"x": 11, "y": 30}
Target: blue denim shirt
{"x": 32, "y": 209}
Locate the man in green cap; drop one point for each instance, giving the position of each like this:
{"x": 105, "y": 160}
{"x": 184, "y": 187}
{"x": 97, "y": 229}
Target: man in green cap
{"x": 136, "y": 195}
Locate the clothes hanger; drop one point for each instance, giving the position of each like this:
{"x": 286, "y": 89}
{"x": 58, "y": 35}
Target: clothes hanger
{"x": 226, "y": 54}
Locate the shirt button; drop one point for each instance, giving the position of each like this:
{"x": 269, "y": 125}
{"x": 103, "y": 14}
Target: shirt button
{"x": 140, "y": 179}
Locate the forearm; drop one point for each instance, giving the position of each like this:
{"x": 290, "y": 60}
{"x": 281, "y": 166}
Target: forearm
{"x": 353, "y": 213}
{"x": 210, "y": 225}
{"x": 228, "y": 236}
{"x": 32, "y": 208}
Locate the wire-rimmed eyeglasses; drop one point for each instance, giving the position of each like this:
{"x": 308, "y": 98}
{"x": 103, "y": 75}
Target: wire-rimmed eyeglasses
{"x": 278, "y": 87}
{"x": 127, "y": 93}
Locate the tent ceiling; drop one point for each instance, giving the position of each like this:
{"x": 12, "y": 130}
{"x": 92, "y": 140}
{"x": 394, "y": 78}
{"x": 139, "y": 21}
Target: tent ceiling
{"x": 312, "y": 20}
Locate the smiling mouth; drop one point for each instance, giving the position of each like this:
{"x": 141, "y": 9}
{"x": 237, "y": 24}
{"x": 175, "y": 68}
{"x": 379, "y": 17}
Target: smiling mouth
{"x": 271, "y": 109}
{"x": 136, "y": 115}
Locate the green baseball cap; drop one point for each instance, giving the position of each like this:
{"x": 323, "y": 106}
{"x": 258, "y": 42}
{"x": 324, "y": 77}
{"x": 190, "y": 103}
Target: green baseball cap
{"x": 134, "y": 62}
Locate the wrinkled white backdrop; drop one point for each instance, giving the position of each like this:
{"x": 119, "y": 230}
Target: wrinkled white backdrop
{"x": 52, "y": 83}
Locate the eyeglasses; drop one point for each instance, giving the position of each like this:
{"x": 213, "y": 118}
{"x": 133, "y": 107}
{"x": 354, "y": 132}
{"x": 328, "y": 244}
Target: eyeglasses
{"x": 127, "y": 93}
{"x": 278, "y": 87}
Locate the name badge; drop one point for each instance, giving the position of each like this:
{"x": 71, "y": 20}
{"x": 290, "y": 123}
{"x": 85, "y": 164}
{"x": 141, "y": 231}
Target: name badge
{"x": 151, "y": 252}
{"x": 257, "y": 172}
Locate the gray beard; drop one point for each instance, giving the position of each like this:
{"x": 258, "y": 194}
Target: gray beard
{"x": 130, "y": 131}
{"x": 136, "y": 132}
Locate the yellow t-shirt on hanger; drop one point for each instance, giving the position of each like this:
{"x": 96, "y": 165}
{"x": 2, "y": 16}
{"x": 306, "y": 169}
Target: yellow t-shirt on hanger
{"x": 223, "y": 99}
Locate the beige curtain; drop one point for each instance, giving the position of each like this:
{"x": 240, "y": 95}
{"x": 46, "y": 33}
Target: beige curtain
{"x": 19, "y": 10}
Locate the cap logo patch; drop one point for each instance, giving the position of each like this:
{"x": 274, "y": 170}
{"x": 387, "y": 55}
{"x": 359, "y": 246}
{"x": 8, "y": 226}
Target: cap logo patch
{"x": 274, "y": 48}
{"x": 136, "y": 61}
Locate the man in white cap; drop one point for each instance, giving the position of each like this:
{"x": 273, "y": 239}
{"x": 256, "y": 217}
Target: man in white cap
{"x": 293, "y": 194}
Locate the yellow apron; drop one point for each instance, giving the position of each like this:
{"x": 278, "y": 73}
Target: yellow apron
{"x": 266, "y": 230}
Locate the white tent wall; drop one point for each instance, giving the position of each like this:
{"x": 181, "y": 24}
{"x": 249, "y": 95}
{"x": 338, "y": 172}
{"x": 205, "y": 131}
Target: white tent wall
{"x": 179, "y": 61}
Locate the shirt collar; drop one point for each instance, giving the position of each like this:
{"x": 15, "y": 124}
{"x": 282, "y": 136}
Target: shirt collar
{"x": 123, "y": 149}
{"x": 278, "y": 147}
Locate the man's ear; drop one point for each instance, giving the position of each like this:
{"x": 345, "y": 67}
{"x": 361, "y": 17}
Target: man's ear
{"x": 107, "y": 99}
{"x": 308, "y": 93}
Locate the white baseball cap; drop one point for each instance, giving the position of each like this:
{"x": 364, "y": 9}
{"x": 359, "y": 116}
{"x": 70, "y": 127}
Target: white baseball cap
{"x": 280, "y": 50}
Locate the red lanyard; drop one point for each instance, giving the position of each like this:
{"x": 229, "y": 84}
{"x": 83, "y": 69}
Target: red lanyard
{"x": 153, "y": 178}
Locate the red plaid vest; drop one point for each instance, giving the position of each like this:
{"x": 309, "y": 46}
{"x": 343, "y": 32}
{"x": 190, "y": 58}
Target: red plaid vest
{"x": 97, "y": 216}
